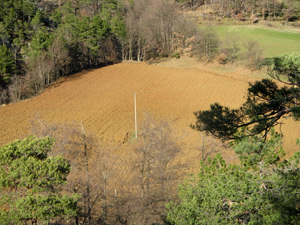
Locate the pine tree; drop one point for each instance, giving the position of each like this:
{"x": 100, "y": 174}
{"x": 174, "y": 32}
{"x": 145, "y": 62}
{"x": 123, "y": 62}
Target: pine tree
{"x": 258, "y": 191}
{"x": 36, "y": 22}
{"x": 7, "y": 65}
{"x": 3, "y": 33}
{"x": 30, "y": 181}
{"x": 266, "y": 103}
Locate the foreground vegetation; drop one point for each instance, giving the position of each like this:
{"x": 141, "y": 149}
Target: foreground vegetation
{"x": 263, "y": 189}
{"x": 79, "y": 181}
{"x": 31, "y": 181}
{"x": 255, "y": 192}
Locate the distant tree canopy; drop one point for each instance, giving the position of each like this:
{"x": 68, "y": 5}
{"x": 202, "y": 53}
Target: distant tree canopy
{"x": 46, "y": 40}
{"x": 7, "y": 65}
{"x": 42, "y": 41}
{"x": 245, "y": 9}
{"x": 266, "y": 103}
{"x": 30, "y": 181}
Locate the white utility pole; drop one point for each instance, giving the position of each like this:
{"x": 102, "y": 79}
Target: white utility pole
{"x": 135, "y": 116}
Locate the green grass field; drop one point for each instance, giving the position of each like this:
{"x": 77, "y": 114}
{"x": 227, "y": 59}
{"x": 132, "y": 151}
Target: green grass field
{"x": 273, "y": 41}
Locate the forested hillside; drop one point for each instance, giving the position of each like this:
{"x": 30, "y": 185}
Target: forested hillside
{"x": 247, "y": 9}
{"x": 42, "y": 41}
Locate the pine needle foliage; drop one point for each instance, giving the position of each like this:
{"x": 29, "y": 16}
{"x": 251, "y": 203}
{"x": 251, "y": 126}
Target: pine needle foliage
{"x": 30, "y": 182}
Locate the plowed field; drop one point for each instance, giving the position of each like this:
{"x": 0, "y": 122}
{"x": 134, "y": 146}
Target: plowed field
{"x": 104, "y": 99}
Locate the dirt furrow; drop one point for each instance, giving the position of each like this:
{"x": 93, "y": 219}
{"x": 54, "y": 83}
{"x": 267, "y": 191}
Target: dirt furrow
{"x": 104, "y": 100}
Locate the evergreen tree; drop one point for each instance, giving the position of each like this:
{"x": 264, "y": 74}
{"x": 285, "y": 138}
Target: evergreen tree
{"x": 91, "y": 32}
{"x": 29, "y": 10}
{"x": 266, "y": 103}
{"x": 7, "y": 65}
{"x": 259, "y": 191}
{"x": 36, "y": 22}
{"x": 220, "y": 194}
{"x": 40, "y": 41}
{"x": 30, "y": 181}
{"x": 3, "y": 33}
{"x": 258, "y": 153}
{"x": 118, "y": 28}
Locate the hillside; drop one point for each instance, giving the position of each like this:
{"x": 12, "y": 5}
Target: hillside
{"x": 104, "y": 100}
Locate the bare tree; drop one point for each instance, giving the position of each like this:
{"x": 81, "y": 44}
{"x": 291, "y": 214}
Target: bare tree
{"x": 155, "y": 155}
{"x": 207, "y": 43}
{"x": 209, "y": 146}
{"x": 132, "y": 32}
{"x": 253, "y": 54}
{"x": 161, "y": 25}
{"x": 93, "y": 168}
{"x": 15, "y": 89}
{"x": 151, "y": 26}
{"x": 110, "y": 193}
{"x": 142, "y": 42}
{"x": 4, "y": 97}
{"x": 59, "y": 57}
{"x": 39, "y": 68}
{"x": 288, "y": 14}
{"x": 232, "y": 44}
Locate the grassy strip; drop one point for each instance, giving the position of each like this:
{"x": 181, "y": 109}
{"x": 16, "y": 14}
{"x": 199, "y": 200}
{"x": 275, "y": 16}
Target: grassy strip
{"x": 273, "y": 41}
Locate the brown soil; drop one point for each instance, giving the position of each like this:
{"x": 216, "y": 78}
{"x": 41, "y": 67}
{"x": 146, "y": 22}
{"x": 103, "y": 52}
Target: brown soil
{"x": 104, "y": 99}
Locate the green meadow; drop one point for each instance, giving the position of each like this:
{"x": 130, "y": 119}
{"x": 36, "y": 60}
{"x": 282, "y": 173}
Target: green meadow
{"x": 273, "y": 41}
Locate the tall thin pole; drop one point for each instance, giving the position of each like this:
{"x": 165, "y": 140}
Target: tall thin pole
{"x": 135, "y": 115}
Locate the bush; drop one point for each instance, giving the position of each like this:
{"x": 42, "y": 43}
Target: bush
{"x": 207, "y": 43}
{"x": 154, "y": 55}
{"x": 175, "y": 55}
{"x": 164, "y": 54}
{"x": 30, "y": 183}
{"x": 253, "y": 55}
{"x": 222, "y": 57}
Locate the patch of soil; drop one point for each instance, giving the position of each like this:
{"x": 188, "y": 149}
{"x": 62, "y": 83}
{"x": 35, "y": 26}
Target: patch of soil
{"x": 104, "y": 99}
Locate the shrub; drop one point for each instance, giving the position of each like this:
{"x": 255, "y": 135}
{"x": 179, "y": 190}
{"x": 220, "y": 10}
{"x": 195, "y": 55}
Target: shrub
{"x": 253, "y": 55}
{"x": 30, "y": 183}
{"x": 154, "y": 55}
{"x": 222, "y": 57}
{"x": 175, "y": 55}
{"x": 164, "y": 54}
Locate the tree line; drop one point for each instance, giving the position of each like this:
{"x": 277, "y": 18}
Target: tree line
{"x": 246, "y": 10}
{"x": 42, "y": 41}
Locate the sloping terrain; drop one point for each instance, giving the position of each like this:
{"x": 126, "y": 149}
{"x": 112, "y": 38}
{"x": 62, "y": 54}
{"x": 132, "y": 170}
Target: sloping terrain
{"x": 104, "y": 100}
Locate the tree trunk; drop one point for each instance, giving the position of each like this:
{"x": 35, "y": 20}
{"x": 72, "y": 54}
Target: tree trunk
{"x": 88, "y": 209}
{"x": 89, "y": 59}
{"x": 104, "y": 205}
